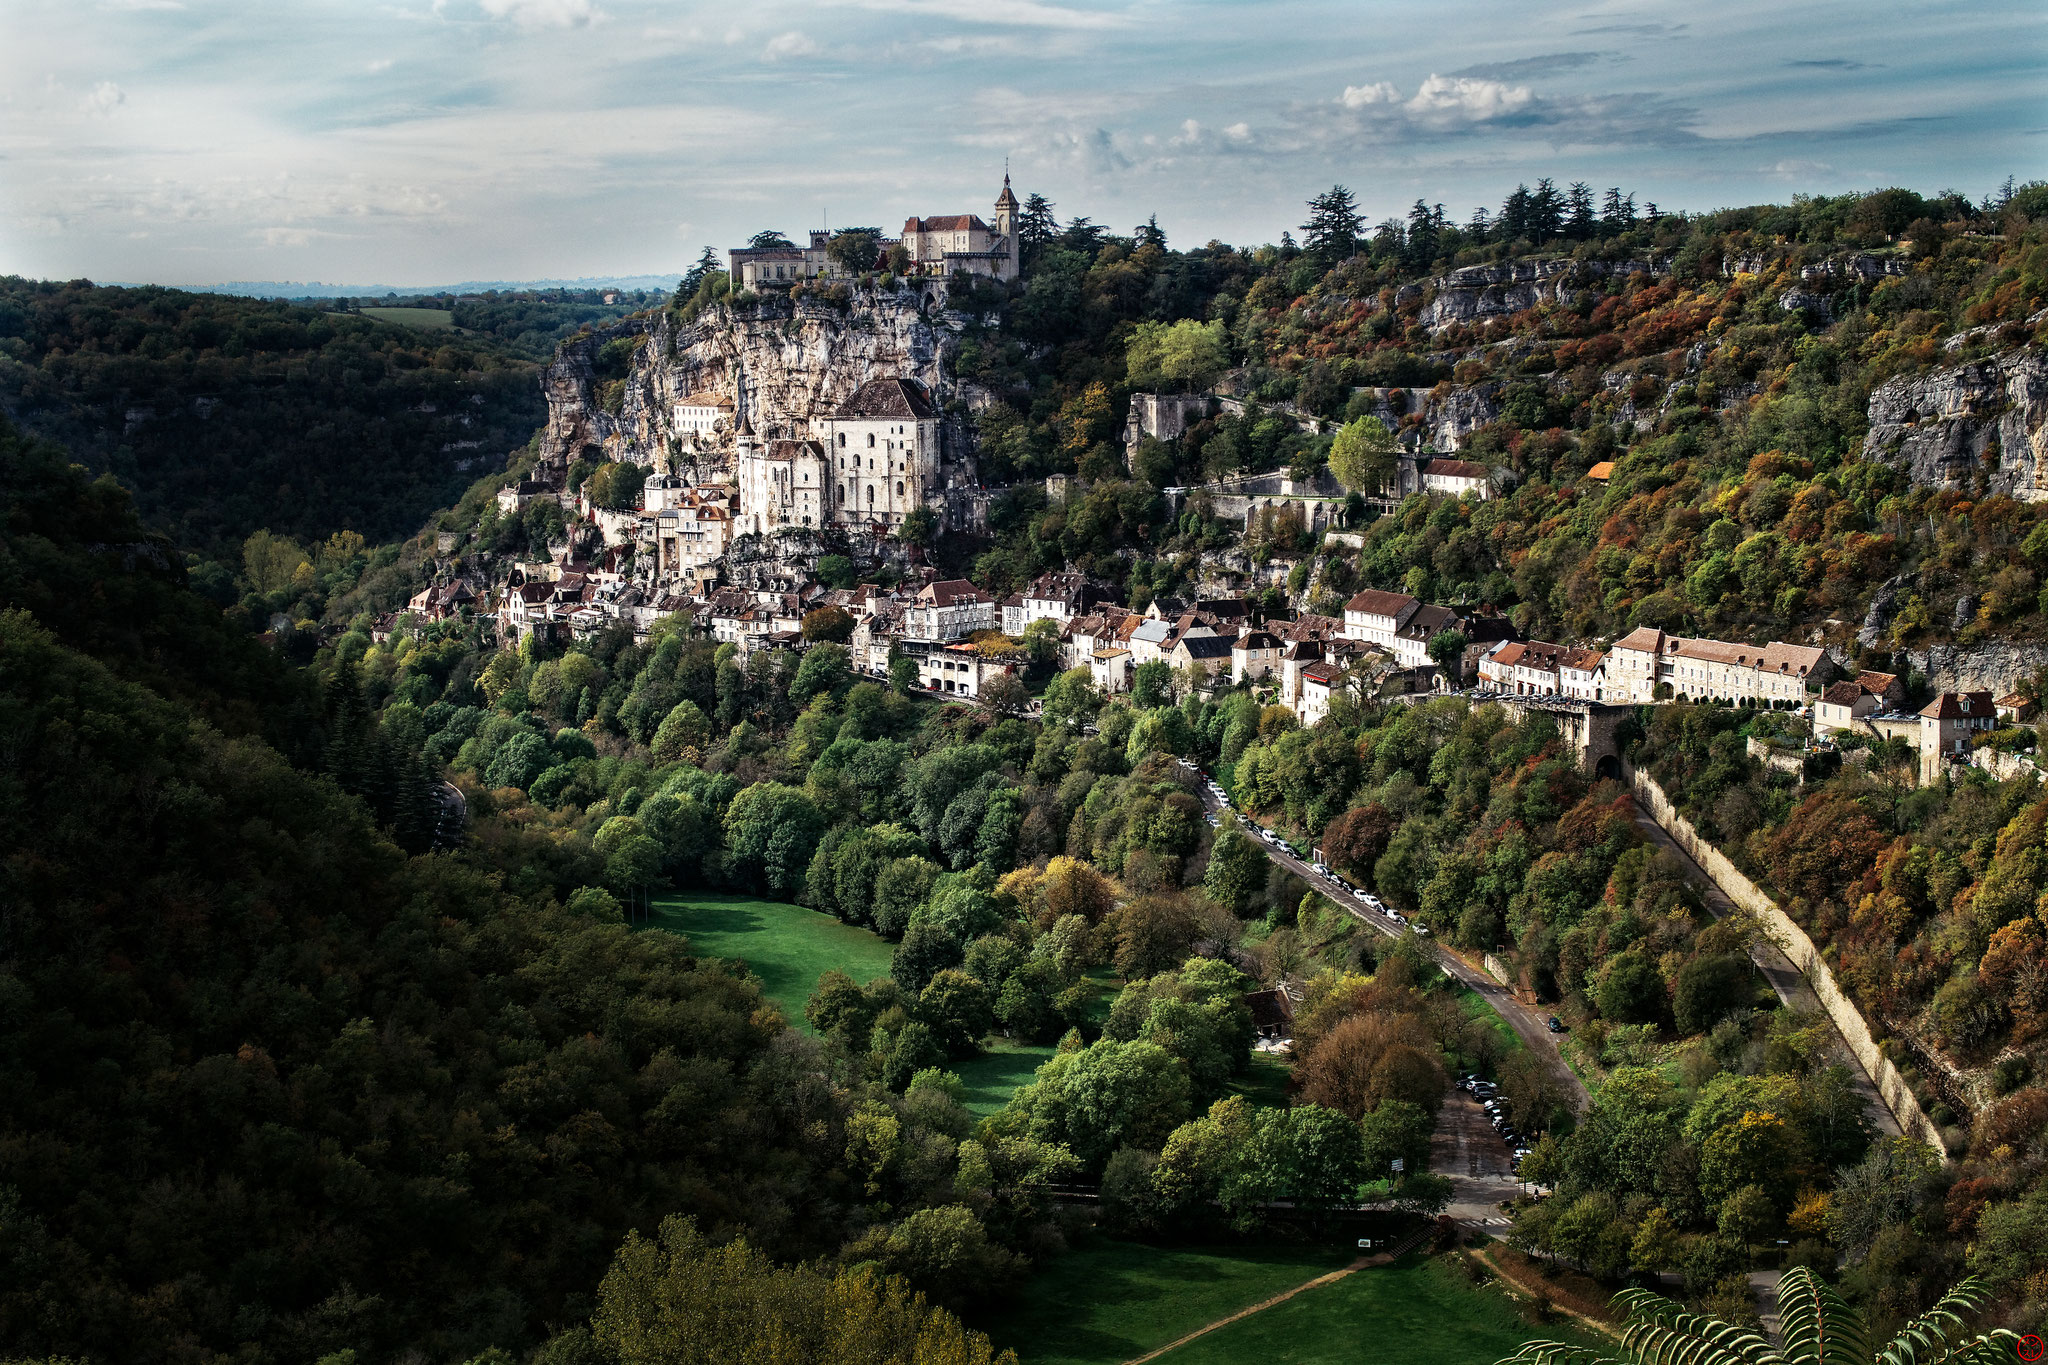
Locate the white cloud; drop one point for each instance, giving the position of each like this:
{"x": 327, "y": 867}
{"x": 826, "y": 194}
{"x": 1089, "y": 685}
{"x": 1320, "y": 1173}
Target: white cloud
{"x": 381, "y": 64}
{"x": 531, "y": 14}
{"x": 1239, "y": 132}
{"x": 1379, "y": 92}
{"x": 1467, "y": 99}
{"x": 1021, "y": 13}
{"x": 105, "y": 98}
{"x": 784, "y": 46}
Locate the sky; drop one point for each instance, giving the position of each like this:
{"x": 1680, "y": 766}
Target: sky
{"x": 433, "y": 141}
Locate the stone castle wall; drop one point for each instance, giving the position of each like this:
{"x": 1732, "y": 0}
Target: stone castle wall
{"x": 1800, "y": 949}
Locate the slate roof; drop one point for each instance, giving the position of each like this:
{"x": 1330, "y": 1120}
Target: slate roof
{"x": 892, "y": 397}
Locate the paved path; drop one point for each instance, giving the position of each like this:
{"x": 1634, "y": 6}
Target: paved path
{"x": 1465, "y": 1149}
{"x": 1531, "y": 1026}
{"x": 1787, "y": 980}
{"x": 1317, "y": 1283}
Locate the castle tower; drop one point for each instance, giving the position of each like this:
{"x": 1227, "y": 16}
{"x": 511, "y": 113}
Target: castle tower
{"x": 1006, "y": 224}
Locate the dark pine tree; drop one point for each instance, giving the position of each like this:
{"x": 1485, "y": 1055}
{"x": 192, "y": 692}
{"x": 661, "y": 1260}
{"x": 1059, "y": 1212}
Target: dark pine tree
{"x": 1578, "y": 215}
{"x": 1333, "y": 225}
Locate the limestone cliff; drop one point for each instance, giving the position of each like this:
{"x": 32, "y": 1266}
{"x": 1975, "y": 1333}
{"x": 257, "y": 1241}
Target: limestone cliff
{"x": 1989, "y": 416}
{"x": 1478, "y": 292}
{"x": 799, "y": 358}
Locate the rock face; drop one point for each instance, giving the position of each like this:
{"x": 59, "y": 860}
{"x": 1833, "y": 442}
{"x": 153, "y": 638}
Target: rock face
{"x": 1998, "y": 667}
{"x": 798, "y": 359}
{"x": 1946, "y": 426}
{"x": 1478, "y": 292}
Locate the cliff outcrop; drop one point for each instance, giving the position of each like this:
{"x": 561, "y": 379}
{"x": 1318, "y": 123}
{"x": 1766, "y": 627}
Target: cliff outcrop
{"x": 1948, "y": 425}
{"x": 1478, "y": 292}
{"x": 798, "y": 358}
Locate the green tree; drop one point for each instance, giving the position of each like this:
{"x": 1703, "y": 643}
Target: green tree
{"x": 828, "y": 623}
{"x": 771, "y": 831}
{"x": 825, "y": 668}
{"x": 1362, "y": 456}
{"x": 1333, "y": 225}
{"x": 920, "y": 525}
{"x": 679, "y": 1300}
{"x": 1108, "y": 1095}
{"x": 683, "y": 729}
{"x": 1236, "y": 876}
{"x": 955, "y": 1007}
{"x": 855, "y": 250}
{"x": 1186, "y": 356}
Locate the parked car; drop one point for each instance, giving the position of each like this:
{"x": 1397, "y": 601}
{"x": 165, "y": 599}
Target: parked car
{"x": 1362, "y": 896}
{"x": 1556, "y": 1024}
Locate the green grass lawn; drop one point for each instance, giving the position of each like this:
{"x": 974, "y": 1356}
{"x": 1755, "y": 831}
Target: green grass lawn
{"x": 1118, "y": 1299}
{"x": 995, "y": 1075}
{"x": 1415, "y": 1312}
{"x": 1266, "y": 1082}
{"x": 427, "y": 319}
{"x": 1475, "y": 1007}
{"x": 787, "y": 946}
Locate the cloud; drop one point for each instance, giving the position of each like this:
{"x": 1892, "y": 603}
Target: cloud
{"x": 1792, "y": 168}
{"x": 381, "y": 64}
{"x": 533, "y": 14}
{"x": 1442, "y": 100}
{"x": 1830, "y": 64}
{"x": 1379, "y": 92}
{"x": 105, "y": 98}
{"x": 1467, "y": 99}
{"x": 1531, "y": 66}
{"x": 784, "y": 46}
{"x": 1650, "y": 30}
{"x": 1018, "y": 13}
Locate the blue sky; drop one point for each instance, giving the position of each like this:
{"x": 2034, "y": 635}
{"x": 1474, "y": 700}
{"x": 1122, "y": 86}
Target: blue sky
{"x": 426, "y": 141}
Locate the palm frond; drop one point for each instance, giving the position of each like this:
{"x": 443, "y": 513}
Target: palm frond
{"x": 1696, "y": 1339}
{"x": 1818, "y": 1327}
{"x": 1936, "y": 1336}
{"x": 1556, "y": 1353}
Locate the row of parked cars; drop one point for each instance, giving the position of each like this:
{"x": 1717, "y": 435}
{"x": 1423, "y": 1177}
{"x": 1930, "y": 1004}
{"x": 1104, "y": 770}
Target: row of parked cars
{"x": 1488, "y": 1095}
{"x": 1259, "y": 831}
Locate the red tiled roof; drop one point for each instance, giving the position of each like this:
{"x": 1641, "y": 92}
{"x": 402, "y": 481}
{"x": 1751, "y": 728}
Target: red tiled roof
{"x": 1960, "y": 706}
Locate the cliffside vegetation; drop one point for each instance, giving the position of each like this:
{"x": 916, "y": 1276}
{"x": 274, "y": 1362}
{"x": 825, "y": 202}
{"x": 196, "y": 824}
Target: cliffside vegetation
{"x": 1723, "y": 362}
{"x": 226, "y": 415}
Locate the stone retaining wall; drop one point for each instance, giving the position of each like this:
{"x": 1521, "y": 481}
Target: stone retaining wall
{"x": 1800, "y": 949}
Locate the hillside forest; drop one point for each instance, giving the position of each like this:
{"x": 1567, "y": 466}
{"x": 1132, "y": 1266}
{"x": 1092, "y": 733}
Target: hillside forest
{"x": 303, "y": 1076}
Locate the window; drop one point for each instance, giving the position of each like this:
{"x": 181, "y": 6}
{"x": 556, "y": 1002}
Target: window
{"x": 899, "y": 488}
{"x": 871, "y": 440}
{"x": 842, "y": 438}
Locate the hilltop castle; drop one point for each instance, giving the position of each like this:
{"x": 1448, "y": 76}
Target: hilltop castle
{"x": 951, "y": 244}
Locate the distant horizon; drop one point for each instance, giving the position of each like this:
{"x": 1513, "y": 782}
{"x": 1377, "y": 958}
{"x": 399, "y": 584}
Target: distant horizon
{"x": 316, "y": 289}
{"x": 323, "y": 289}
{"x": 524, "y": 139}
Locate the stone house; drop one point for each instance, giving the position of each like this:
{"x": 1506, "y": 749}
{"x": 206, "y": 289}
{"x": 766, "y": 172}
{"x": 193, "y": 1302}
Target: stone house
{"x": 1110, "y": 670}
{"x": 1254, "y": 655}
{"x": 948, "y": 610}
{"x": 1841, "y": 705}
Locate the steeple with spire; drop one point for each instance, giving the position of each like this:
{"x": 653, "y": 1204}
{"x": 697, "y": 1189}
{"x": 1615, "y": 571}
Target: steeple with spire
{"x": 1006, "y": 224}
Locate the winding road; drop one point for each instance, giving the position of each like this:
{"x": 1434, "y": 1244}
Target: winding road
{"x": 1531, "y": 1027}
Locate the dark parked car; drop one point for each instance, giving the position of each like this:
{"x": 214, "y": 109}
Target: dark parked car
{"x": 1556, "y": 1024}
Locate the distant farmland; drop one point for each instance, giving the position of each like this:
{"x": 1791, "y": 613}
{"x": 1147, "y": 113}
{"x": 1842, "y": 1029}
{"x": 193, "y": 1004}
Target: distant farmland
{"x": 427, "y": 319}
